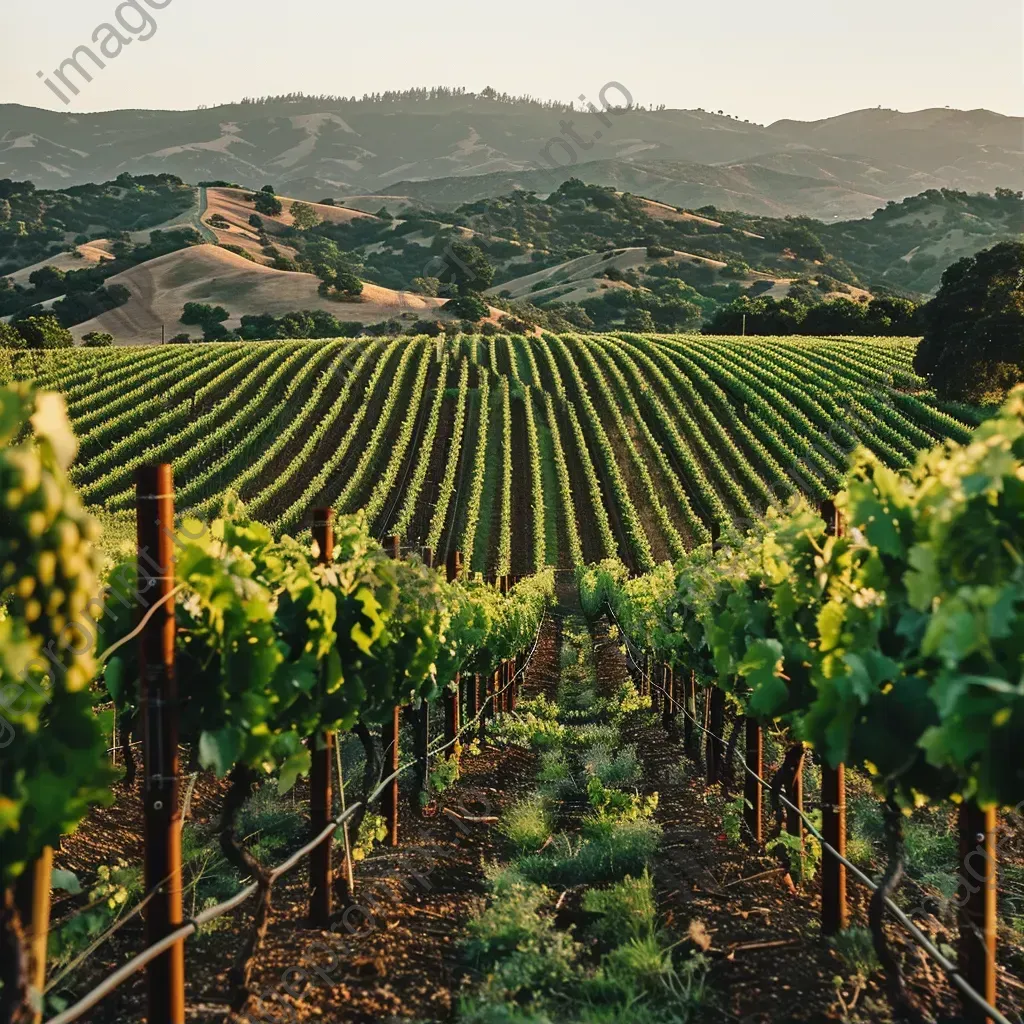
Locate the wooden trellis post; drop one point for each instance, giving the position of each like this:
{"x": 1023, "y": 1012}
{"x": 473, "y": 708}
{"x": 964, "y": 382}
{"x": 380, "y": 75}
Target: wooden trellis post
{"x": 513, "y": 691}
{"x": 754, "y": 756}
{"x": 504, "y": 585}
{"x": 668, "y": 712}
{"x": 976, "y": 947}
{"x": 690, "y": 715}
{"x": 715, "y": 741}
{"x": 420, "y": 718}
{"x": 390, "y": 732}
{"x": 477, "y": 705}
{"x": 32, "y": 896}
{"x": 165, "y": 976}
{"x": 321, "y": 748}
{"x": 795, "y": 795}
{"x": 453, "y": 699}
{"x": 835, "y": 914}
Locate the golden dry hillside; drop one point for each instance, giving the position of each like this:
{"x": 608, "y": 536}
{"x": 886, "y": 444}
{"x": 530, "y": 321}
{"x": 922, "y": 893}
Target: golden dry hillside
{"x": 208, "y": 273}
{"x": 227, "y": 215}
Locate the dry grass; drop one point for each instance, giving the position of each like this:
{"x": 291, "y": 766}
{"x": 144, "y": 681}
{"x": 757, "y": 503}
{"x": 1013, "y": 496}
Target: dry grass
{"x": 208, "y": 273}
{"x": 87, "y": 256}
{"x": 230, "y": 203}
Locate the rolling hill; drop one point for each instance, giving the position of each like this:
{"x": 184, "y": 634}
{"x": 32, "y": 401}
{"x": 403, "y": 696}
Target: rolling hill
{"x": 844, "y": 166}
{"x": 227, "y": 216}
{"x": 209, "y": 273}
{"x": 586, "y": 276}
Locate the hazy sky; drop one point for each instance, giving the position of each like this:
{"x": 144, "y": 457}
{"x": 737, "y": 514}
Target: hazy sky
{"x": 802, "y": 59}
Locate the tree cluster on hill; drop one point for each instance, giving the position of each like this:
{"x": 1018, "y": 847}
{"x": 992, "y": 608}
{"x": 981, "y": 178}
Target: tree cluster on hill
{"x": 34, "y": 223}
{"x": 415, "y": 95}
{"x": 309, "y": 323}
{"x": 35, "y": 332}
{"x": 906, "y": 244}
{"x": 84, "y": 293}
{"x": 887, "y": 316}
{"x": 973, "y": 345}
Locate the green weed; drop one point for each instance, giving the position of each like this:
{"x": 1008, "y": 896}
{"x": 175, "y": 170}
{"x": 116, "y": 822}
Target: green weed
{"x": 621, "y": 849}
{"x": 444, "y": 773}
{"x": 628, "y": 910}
{"x": 527, "y": 823}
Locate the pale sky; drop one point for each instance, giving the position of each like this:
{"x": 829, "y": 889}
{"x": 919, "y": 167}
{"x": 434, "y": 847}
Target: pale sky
{"x": 803, "y": 59}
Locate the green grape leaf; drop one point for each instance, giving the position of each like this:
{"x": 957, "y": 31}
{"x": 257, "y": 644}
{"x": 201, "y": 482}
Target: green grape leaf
{"x": 923, "y": 582}
{"x": 371, "y": 610}
{"x": 295, "y": 765}
{"x": 66, "y": 880}
{"x": 831, "y": 620}
{"x": 219, "y": 750}
{"x": 113, "y": 676}
{"x": 761, "y": 667}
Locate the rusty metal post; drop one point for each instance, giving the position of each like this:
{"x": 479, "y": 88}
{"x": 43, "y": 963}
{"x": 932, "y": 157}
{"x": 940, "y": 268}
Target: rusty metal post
{"x": 669, "y": 710}
{"x": 165, "y": 976}
{"x": 716, "y": 744}
{"x": 690, "y": 715}
{"x": 477, "y": 705}
{"x": 504, "y": 585}
{"x": 835, "y": 915}
{"x": 390, "y": 732}
{"x": 32, "y": 896}
{"x": 453, "y": 699}
{"x": 754, "y": 757}
{"x": 976, "y": 948}
{"x": 321, "y": 749}
{"x": 795, "y": 794}
{"x": 420, "y": 719}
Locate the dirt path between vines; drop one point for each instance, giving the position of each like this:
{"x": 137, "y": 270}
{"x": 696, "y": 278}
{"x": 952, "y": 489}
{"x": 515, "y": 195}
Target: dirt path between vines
{"x": 399, "y": 960}
{"x": 769, "y": 963}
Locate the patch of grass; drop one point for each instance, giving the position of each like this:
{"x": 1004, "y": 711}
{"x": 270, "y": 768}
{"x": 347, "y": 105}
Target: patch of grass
{"x": 555, "y": 775}
{"x": 931, "y": 844}
{"x": 527, "y": 823}
{"x": 639, "y": 965}
{"x": 515, "y": 941}
{"x": 590, "y": 735}
{"x": 624, "y": 702}
{"x": 269, "y": 824}
{"x": 732, "y": 818}
{"x": 209, "y": 879}
{"x": 444, "y": 773}
{"x": 623, "y": 849}
{"x": 613, "y": 767}
{"x": 612, "y": 806}
{"x": 535, "y": 724}
{"x": 856, "y": 950}
{"x": 628, "y": 910}
{"x": 638, "y": 983}
{"x": 1011, "y": 897}
{"x": 472, "y": 1011}
{"x": 373, "y": 829}
{"x": 802, "y": 858}
{"x": 860, "y": 850}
